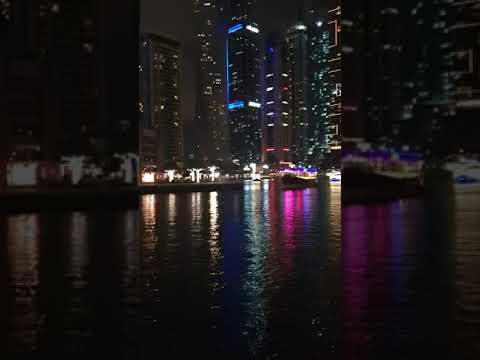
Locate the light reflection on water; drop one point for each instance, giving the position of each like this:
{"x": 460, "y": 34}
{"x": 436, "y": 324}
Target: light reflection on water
{"x": 411, "y": 280}
{"x": 224, "y": 278}
{"x": 249, "y": 274}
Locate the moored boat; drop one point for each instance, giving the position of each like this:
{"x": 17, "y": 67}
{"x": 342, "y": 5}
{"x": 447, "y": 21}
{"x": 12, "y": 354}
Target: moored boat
{"x": 293, "y": 182}
{"x": 362, "y": 185}
{"x": 466, "y": 174}
{"x": 335, "y": 177}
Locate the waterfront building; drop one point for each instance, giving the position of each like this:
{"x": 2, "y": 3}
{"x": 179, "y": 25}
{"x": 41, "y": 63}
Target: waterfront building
{"x": 243, "y": 71}
{"x": 69, "y": 74}
{"x": 334, "y": 21}
{"x": 396, "y": 66}
{"x": 211, "y": 115}
{"x": 319, "y": 135}
{"x": 161, "y": 139}
{"x": 277, "y": 120}
{"x": 297, "y": 63}
{"x": 464, "y": 30}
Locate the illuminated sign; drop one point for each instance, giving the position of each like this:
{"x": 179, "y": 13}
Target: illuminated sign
{"x": 235, "y": 28}
{"x": 236, "y": 105}
{"x": 254, "y": 104}
{"x": 253, "y": 29}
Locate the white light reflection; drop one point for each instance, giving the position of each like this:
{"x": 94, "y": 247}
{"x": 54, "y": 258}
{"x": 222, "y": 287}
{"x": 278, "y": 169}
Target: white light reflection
{"x": 149, "y": 222}
{"x": 258, "y": 233}
{"x": 149, "y": 210}
{"x": 172, "y": 208}
{"x": 215, "y": 250}
{"x": 23, "y": 253}
{"x": 196, "y": 212}
{"x": 78, "y": 249}
{"x": 130, "y": 232}
{"x": 214, "y": 230}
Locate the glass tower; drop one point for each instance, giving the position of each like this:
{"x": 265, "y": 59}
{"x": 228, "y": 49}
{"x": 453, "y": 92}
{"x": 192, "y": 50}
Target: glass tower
{"x": 211, "y": 94}
{"x": 243, "y": 70}
{"x": 318, "y": 134}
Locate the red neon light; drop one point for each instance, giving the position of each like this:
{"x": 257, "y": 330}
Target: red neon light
{"x": 270, "y": 149}
{"x": 285, "y": 149}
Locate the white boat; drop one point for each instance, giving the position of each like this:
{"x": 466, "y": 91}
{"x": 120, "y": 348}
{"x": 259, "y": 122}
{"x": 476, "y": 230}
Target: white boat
{"x": 335, "y": 177}
{"x": 466, "y": 174}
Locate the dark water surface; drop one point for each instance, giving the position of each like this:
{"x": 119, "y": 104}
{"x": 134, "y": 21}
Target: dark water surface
{"x": 227, "y": 275}
{"x": 253, "y": 274}
{"x": 411, "y": 279}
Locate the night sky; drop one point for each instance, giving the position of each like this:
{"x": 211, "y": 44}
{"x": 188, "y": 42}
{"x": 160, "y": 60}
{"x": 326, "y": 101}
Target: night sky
{"x": 175, "y": 18}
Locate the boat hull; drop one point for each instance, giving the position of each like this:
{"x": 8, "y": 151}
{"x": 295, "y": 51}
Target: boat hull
{"x": 361, "y": 186}
{"x": 296, "y": 183}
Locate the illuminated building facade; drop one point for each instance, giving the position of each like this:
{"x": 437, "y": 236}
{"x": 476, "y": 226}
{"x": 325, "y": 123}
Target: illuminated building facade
{"x": 297, "y": 62}
{"x": 426, "y": 75}
{"x": 318, "y": 134}
{"x": 396, "y": 71}
{"x": 334, "y": 20}
{"x": 277, "y": 123}
{"x": 353, "y": 59}
{"x": 211, "y": 114}
{"x": 161, "y": 140}
{"x": 69, "y": 71}
{"x": 464, "y": 29}
{"x": 243, "y": 74}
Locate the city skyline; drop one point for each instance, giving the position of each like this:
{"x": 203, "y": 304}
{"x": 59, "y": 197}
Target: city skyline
{"x": 233, "y": 94}
{"x": 164, "y": 19}
{"x": 240, "y": 179}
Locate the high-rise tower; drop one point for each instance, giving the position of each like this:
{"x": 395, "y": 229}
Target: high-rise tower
{"x": 210, "y": 115}
{"x": 277, "y": 124}
{"x": 318, "y": 134}
{"x": 68, "y": 74}
{"x": 396, "y": 72}
{"x": 243, "y": 70}
{"x": 297, "y": 45}
{"x": 334, "y": 23}
{"x": 161, "y": 141}
{"x": 464, "y": 29}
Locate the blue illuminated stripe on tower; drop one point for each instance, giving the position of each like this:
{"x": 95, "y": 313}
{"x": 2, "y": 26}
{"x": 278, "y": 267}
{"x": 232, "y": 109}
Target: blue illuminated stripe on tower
{"x": 228, "y": 74}
{"x": 235, "y": 28}
{"x": 236, "y": 105}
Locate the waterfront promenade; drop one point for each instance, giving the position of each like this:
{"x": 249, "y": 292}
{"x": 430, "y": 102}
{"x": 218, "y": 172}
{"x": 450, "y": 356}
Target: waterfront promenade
{"x": 28, "y": 199}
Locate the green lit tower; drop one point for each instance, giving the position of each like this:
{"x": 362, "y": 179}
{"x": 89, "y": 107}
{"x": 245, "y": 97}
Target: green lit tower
{"x": 318, "y": 134}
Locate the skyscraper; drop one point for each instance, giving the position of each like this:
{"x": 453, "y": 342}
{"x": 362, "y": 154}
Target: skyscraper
{"x": 353, "y": 59}
{"x": 426, "y": 75}
{"x": 334, "y": 22}
{"x": 69, "y": 73}
{"x": 161, "y": 140}
{"x": 396, "y": 72}
{"x": 211, "y": 114}
{"x": 297, "y": 60}
{"x": 372, "y": 70}
{"x": 464, "y": 29}
{"x": 244, "y": 83}
{"x": 318, "y": 134}
{"x": 277, "y": 122}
